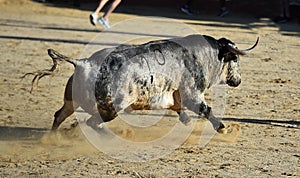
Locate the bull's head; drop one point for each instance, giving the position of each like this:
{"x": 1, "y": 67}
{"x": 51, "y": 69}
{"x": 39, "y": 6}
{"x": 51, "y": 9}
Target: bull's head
{"x": 229, "y": 53}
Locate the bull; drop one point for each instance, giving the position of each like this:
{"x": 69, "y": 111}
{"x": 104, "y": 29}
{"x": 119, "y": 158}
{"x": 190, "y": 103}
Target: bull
{"x": 164, "y": 74}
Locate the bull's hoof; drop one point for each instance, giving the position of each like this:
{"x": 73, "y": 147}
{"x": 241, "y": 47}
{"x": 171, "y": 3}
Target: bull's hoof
{"x": 222, "y": 129}
{"x": 184, "y": 118}
{"x": 94, "y": 123}
{"x": 230, "y": 129}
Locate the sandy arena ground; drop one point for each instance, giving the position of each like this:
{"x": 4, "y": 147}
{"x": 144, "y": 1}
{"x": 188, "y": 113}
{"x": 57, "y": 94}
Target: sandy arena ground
{"x": 266, "y": 106}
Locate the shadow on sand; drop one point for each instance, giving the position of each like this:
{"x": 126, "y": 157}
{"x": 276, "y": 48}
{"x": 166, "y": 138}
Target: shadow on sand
{"x": 242, "y": 13}
{"x": 29, "y": 133}
{"x": 21, "y": 133}
{"x": 276, "y": 123}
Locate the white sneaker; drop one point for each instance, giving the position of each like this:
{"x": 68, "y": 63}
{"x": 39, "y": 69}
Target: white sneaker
{"x": 186, "y": 10}
{"x": 93, "y": 19}
{"x": 104, "y": 23}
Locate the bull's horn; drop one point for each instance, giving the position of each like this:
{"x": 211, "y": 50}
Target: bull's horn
{"x": 234, "y": 50}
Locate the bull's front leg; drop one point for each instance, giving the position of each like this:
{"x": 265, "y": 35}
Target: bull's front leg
{"x": 106, "y": 113}
{"x": 199, "y": 106}
{"x": 216, "y": 122}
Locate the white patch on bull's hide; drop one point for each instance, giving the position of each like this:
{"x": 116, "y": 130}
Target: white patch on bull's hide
{"x": 162, "y": 100}
{"x": 84, "y": 86}
{"x": 144, "y": 91}
{"x": 161, "y": 92}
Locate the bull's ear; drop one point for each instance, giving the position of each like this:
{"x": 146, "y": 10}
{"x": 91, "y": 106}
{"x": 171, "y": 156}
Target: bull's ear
{"x": 222, "y": 52}
{"x": 223, "y": 42}
{"x": 222, "y": 46}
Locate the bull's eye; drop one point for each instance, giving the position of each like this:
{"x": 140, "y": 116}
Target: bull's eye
{"x": 230, "y": 57}
{"x": 234, "y": 58}
{"x": 227, "y": 57}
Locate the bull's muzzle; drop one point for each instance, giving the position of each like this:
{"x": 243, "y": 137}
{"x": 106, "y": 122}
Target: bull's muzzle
{"x": 234, "y": 81}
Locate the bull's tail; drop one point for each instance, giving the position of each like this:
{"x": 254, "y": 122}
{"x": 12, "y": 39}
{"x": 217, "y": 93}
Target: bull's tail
{"x": 56, "y": 57}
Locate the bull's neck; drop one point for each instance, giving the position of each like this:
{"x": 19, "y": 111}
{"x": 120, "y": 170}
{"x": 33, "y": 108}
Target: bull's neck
{"x": 215, "y": 69}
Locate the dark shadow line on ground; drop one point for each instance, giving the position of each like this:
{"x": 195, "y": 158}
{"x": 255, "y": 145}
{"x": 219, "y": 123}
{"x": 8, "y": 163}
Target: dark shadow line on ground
{"x": 241, "y": 26}
{"x": 29, "y": 24}
{"x": 92, "y": 31}
{"x": 71, "y": 29}
{"x": 58, "y": 40}
{"x": 277, "y": 123}
{"x": 140, "y": 34}
{"x": 110, "y": 31}
{"x": 21, "y": 133}
{"x": 30, "y": 133}
{"x": 291, "y": 35}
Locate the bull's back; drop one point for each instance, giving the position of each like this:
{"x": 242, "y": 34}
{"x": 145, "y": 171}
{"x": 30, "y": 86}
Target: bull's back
{"x": 147, "y": 75}
{"x": 143, "y": 77}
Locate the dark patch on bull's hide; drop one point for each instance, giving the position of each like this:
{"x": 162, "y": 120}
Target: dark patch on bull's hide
{"x": 115, "y": 63}
{"x": 143, "y": 85}
{"x": 168, "y": 84}
{"x": 139, "y": 82}
{"x": 190, "y": 60}
{"x": 230, "y": 57}
{"x": 106, "y": 110}
{"x": 194, "y": 68}
{"x": 215, "y": 45}
{"x": 151, "y": 80}
{"x": 220, "y": 45}
{"x": 199, "y": 78}
{"x": 101, "y": 83}
{"x": 223, "y": 51}
{"x": 189, "y": 57}
{"x": 212, "y": 41}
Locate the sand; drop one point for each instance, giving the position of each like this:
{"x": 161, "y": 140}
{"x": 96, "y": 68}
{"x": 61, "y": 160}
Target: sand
{"x": 263, "y": 111}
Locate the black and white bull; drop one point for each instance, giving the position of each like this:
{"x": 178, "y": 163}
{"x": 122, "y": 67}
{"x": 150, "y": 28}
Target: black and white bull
{"x": 166, "y": 74}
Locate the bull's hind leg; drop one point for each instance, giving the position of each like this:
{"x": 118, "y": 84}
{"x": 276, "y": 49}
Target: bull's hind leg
{"x": 67, "y": 109}
{"x": 183, "y": 117}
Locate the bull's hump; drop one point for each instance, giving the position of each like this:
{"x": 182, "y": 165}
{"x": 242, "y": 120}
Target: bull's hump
{"x": 145, "y": 49}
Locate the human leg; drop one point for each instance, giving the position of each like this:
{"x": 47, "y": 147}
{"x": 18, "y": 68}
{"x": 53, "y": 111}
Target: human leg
{"x": 94, "y": 15}
{"x": 112, "y": 7}
{"x": 104, "y": 19}
{"x": 186, "y": 7}
{"x": 100, "y": 6}
{"x": 223, "y": 9}
{"x": 284, "y": 12}
{"x": 285, "y": 8}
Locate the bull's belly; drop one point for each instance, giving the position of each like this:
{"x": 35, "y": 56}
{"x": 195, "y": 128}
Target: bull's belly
{"x": 155, "y": 101}
{"x": 161, "y": 101}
